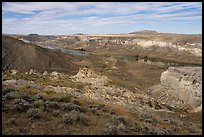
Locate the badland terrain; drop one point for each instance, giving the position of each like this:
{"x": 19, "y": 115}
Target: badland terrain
{"x": 141, "y": 83}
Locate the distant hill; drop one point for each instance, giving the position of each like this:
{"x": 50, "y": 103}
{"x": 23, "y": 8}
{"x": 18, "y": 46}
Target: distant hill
{"x": 79, "y": 34}
{"x": 22, "y": 56}
{"x": 33, "y": 35}
{"x": 144, "y": 32}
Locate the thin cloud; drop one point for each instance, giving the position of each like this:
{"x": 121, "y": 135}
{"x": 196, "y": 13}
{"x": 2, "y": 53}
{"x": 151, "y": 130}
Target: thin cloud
{"x": 70, "y": 17}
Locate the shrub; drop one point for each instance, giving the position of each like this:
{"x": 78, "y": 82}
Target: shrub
{"x": 147, "y": 117}
{"x": 67, "y": 119}
{"x": 39, "y": 103}
{"x": 37, "y": 97}
{"x": 70, "y": 106}
{"x": 34, "y": 113}
{"x": 73, "y": 116}
{"x": 16, "y": 95}
{"x": 136, "y": 127}
{"x": 119, "y": 119}
{"x": 62, "y": 97}
{"x": 5, "y": 91}
{"x": 51, "y": 104}
{"x": 76, "y": 115}
{"x": 111, "y": 129}
{"x": 55, "y": 113}
{"x": 21, "y": 105}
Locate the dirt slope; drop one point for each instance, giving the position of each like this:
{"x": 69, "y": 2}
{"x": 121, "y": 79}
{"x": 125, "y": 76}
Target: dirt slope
{"x": 22, "y": 56}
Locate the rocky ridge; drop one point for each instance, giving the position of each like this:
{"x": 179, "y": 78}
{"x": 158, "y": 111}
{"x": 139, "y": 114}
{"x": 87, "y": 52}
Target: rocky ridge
{"x": 191, "y": 44}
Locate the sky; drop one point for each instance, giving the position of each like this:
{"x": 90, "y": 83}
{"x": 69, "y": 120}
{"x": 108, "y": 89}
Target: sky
{"x": 61, "y": 18}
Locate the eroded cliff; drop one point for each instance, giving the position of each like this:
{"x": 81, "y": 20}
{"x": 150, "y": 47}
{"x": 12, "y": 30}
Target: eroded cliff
{"x": 185, "y": 82}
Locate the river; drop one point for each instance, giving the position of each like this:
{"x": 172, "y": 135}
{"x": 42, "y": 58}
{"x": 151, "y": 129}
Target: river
{"x": 72, "y": 52}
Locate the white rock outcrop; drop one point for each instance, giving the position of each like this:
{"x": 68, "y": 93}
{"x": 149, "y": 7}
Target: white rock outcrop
{"x": 193, "y": 48}
{"x": 86, "y": 75}
{"x": 185, "y": 82}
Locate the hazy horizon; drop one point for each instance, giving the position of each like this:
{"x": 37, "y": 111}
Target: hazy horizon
{"x": 96, "y": 34}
